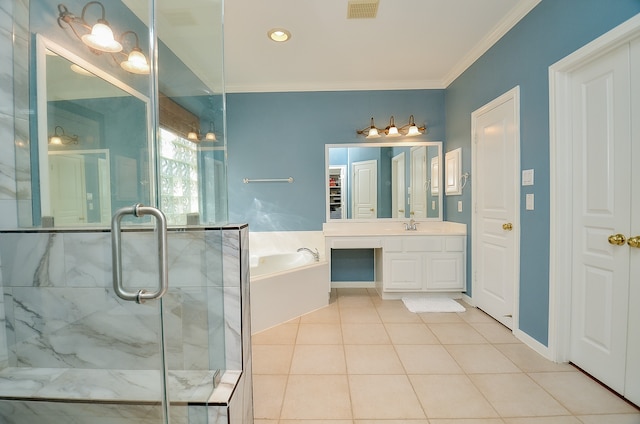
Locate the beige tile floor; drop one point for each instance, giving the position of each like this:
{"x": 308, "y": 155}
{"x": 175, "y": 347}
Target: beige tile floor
{"x": 362, "y": 360}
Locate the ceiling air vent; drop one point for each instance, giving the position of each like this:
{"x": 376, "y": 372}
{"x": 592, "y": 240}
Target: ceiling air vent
{"x": 362, "y": 9}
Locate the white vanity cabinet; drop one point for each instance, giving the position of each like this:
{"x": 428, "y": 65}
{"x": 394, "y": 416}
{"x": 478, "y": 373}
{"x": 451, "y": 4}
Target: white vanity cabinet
{"x": 423, "y": 263}
{"x": 431, "y": 259}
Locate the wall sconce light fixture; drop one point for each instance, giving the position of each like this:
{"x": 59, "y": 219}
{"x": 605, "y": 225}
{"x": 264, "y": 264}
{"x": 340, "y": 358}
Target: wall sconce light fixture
{"x": 136, "y": 62}
{"x": 99, "y": 38}
{"x": 60, "y": 138}
{"x": 408, "y": 130}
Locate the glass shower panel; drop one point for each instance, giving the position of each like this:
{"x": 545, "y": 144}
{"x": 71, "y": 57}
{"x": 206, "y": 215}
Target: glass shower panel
{"x": 192, "y": 161}
{"x": 75, "y": 351}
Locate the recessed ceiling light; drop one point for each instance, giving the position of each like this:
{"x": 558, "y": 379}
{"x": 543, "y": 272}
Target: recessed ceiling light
{"x": 279, "y": 35}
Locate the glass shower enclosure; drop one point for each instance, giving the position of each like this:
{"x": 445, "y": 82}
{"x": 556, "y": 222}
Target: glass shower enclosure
{"x": 113, "y": 307}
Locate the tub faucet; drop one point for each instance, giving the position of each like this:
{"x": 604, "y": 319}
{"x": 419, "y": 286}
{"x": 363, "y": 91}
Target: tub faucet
{"x": 412, "y": 225}
{"x": 316, "y": 255}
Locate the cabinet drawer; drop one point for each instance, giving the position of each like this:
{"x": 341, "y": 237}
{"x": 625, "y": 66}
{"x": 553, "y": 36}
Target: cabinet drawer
{"x": 422, "y": 244}
{"x": 355, "y": 243}
{"x": 454, "y": 244}
{"x": 393, "y": 244}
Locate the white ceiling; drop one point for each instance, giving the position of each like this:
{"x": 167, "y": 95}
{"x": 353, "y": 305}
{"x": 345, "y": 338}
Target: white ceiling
{"x": 411, "y": 44}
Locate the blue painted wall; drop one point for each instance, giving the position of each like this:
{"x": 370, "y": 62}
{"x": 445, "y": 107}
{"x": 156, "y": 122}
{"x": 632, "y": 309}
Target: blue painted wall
{"x": 554, "y": 29}
{"x": 283, "y": 134}
{"x": 278, "y": 135}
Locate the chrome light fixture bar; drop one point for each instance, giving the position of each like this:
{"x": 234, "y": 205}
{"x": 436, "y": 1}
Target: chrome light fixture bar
{"x": 60, "y": 138}
{"x": 408, "y": 130}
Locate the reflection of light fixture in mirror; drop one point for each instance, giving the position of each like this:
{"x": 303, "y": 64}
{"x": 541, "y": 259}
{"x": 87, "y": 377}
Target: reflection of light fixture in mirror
{"x": 210, "y": 135}
{"x": 136, "y": 62}
{"x": 392, "y": 130}
{"x": 196, "y": 137}
{"x": 279, "y": 35}
{"x": 100, "y": 38}
{"x": 409, "y": 130}
{"x": 60, "y": 138}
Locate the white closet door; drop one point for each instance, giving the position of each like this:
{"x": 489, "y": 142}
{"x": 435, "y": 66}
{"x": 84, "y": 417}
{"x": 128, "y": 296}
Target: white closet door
{"x": 496, "y": 166}
{"x": 601, "y": 208}
{"x": 632, "y": 387}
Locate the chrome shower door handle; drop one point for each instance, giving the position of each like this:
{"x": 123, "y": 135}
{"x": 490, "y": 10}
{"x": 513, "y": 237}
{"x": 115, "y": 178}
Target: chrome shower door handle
{"x": 139, "y": 210}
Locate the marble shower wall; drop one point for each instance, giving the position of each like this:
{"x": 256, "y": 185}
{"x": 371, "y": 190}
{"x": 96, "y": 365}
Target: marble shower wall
{"x": 61, "y": 310}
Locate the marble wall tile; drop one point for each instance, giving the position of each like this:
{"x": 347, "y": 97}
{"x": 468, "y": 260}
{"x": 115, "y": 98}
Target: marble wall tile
{"x": 74, "y": 320}
{"x": 6, "y": 72}
{"x": 7, "y": 7}
{"x": 87, "y": 259}
{"x": 8, "y": 214}
{"x": 7, "y": 159}
{"x": 20, "y": 412}
{"x": 21, "y": 18}
{"x": 32, "y": 260}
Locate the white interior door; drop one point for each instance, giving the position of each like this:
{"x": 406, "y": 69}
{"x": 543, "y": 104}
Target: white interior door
{"x": 68, "y": 189}
{"x": 365, "y": 191}
{"x": 496, "y": 212}
{"x": 601, "y": 136}
{"x": 418, "y": 182}
{"x": 632, "y": 383}
{"x": 398, "y": 186}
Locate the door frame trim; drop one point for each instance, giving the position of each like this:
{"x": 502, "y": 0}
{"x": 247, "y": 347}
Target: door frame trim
{"x": 513, "y": 94}
{"x": 561, "y": 181}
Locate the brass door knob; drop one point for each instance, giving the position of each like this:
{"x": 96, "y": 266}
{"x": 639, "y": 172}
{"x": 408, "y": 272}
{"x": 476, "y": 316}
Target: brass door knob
{"x": 401, "y": 210}
{"x": 634, "y": 242}
{"x": 507, "y": 227}
{"x": 617, "y": 239}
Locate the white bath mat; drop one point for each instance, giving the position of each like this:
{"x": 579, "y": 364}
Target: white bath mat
{"x": 431, "y": 304}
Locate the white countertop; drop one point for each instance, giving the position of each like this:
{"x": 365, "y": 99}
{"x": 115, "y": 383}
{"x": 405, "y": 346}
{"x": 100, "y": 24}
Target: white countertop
{"x": 392, "y": 228}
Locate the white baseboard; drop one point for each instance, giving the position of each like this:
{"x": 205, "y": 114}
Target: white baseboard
{"x": 534, "y": 344}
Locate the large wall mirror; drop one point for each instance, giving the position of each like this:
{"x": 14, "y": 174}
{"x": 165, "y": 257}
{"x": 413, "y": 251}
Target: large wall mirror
{"x": 93, "y": 141}
{"x": 384, "y": 181}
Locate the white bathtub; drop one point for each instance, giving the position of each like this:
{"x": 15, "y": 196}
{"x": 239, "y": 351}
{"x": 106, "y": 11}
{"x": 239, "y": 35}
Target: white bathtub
{"x": 285, "y": 286}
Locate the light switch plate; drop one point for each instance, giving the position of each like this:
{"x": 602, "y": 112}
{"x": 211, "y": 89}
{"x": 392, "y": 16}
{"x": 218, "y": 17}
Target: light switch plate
{"x": 527, "y": 177}
{"x": 529, "y": 202}
{"x": 459, "y": 205}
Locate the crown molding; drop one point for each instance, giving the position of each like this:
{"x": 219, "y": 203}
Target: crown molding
{"x": 504, "y": 26}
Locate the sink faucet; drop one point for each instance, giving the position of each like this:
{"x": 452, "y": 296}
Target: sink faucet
{"x": 316, "y": 255}
{"x": 412, "y": 225}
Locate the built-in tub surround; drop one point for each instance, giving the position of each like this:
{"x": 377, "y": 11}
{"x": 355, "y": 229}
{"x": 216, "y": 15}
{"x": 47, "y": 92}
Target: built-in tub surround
{"x": 71, "y": 340}
{"x": 290, "y": 283}
{"x": 410, "y": 258}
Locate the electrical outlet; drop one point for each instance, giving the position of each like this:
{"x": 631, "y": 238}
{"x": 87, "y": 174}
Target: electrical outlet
{"x": 459, "y": 205}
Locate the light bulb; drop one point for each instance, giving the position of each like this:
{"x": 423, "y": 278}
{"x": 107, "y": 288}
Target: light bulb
{"x": 393, "y": 131}
{"x": 373, "y": 133}
{"x": 101, "y": 38}
{"x": 136, "y": 63}
{"x": 413, "y": 131}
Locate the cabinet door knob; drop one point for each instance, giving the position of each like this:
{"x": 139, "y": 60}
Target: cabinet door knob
{"x": 634, "y": 242}
{"x": 507, "y": 226}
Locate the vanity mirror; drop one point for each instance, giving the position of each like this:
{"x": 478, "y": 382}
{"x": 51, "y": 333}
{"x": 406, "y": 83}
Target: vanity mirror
{"x": 93, "y": 145}
{"x": 383, "y": 181}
